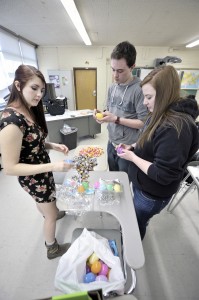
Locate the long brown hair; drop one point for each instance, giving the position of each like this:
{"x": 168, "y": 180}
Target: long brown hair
{"x": 165, "y": 80}
{"x": 23, "y": 74}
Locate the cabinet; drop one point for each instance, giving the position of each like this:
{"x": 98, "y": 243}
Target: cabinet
{"x": 85, "y": 124}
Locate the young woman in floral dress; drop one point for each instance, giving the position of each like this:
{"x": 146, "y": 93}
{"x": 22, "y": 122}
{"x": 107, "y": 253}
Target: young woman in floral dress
{"x": 23, "y": 133}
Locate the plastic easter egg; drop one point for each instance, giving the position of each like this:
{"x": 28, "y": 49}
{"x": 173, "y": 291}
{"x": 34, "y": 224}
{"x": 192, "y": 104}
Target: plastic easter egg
{"x": 93, "y": 258}
{"x": 108, "y": 274}
{"x": 80, "y": 189}
{"x": 96, "y": 267}
{"x": 101, "y": 278}
{"x": 109, "y": 187}
{"x": 90, "y": 191}
{"x": 119, "y": 150}
{"x": 85, "y": 185}
{"x": 104, "y": 270}
{"x": 117, "y": 188}
{"x": 102, "y": 187}
{"x": 89, "y": 277}
{"x": 88, "y": 269}
{"x": 67, "y": 182}
{"x": 69, "y": 161}
{"x": 99, "y": 116}
{"x": 96, "y": 185}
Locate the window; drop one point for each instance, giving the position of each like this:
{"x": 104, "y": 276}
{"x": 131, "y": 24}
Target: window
{"x": 14, "y": 51}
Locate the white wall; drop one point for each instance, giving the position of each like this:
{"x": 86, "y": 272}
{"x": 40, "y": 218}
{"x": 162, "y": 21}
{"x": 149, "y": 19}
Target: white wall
{"x": 67, "y": 58}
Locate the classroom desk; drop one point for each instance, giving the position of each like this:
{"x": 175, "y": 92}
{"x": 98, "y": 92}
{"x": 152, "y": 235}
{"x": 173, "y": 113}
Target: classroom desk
{"x": 125, "y": 214}
{"x": 102, "y": 163}
{"x": 81, "y": 119}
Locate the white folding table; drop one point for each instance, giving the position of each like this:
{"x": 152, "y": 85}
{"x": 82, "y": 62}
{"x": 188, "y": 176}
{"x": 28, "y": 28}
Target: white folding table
{"x": 124, "y": 212}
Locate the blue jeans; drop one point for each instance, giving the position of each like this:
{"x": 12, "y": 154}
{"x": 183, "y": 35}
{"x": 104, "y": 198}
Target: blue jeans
{"x": 146, "y": 207}
{"x": 114, "y": 161}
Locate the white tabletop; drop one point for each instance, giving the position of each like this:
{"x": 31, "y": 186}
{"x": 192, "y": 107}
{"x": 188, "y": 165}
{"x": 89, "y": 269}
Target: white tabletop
{"x": 69, "y": 114}
{"x": 102, "y": 164}
{"x": 124, "y": 213}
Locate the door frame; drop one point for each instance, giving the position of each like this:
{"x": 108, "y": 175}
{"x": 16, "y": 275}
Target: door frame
{"x": 75, "y": 85}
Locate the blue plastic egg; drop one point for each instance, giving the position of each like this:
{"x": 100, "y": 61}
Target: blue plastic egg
{"x": 89, "y": 277}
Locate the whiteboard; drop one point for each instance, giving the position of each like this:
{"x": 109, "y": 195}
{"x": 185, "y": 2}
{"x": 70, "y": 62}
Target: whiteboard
{"x": 144, "y": 73}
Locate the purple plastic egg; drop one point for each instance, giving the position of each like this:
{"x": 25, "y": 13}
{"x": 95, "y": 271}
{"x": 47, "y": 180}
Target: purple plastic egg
{"x": 119, "y": 150}
{"x": 89, "y": 277}
{"x": 104, "y": 270}
{"x": 101, "y": 278}
{"x": 88, "y": 269}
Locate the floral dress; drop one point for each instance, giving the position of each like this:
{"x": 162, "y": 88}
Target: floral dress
{"x": 40, "y": 186}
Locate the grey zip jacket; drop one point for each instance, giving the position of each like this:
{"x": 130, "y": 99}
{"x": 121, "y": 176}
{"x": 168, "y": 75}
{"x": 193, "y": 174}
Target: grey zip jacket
{"x": 126, "y": 101}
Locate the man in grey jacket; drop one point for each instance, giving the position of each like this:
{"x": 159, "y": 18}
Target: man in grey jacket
{"x": 125, "y": 111}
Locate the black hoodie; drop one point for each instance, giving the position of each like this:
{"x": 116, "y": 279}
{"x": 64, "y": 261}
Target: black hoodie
{"x": 168, "y": 153}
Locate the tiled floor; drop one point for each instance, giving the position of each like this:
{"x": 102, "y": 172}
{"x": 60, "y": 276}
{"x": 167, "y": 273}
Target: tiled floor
{"x": 171, "y": 246}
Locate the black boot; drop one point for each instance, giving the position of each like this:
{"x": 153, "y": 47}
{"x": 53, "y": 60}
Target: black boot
{"x": 60, "y": 214}
{"x": 56, "y": 250}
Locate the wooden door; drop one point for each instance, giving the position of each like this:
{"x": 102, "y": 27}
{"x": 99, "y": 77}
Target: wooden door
{"x": 85, "y": 88}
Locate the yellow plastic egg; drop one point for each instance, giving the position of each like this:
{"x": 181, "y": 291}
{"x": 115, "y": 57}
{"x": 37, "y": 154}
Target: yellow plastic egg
{"x": 99, "y": 116}
{"x": 93, "y": 258}
{"x": 117, "y": 188}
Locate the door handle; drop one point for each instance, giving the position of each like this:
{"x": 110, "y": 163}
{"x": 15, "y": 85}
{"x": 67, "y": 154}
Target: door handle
{"x": 94, "y": 93}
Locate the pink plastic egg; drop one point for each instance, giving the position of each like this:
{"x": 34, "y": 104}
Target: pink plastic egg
{"x": 101, "y": 278}
{"x": 96, "y": 185}
{"x": 104, "y": 270}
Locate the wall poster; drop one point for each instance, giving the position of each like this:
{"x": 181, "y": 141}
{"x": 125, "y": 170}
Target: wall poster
{"x": 190, "y": 79}
{"x": 55, "y": 79}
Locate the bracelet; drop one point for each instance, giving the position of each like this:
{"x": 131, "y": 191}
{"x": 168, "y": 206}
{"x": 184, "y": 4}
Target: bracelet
{"x": 117, "y": 121}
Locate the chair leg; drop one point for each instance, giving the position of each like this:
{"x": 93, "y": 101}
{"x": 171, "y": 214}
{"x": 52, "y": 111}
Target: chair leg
{"x": 179, "y": 200}
{"x": 178, "y": 190}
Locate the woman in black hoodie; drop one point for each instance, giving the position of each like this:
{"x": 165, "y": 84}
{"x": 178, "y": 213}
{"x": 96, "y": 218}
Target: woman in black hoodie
{"x": 168, "y": 142}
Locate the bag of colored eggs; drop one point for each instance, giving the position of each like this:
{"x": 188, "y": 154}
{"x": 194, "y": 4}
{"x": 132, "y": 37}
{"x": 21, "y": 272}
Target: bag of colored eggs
{"x": 96, "y": 269}
{"x": 90, "y": 264}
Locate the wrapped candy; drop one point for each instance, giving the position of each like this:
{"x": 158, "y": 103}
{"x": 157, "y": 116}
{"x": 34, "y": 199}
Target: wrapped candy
{"x": 83, "y": 164}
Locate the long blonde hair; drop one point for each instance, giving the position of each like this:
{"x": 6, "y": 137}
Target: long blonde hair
{"x": 165, "y": 80}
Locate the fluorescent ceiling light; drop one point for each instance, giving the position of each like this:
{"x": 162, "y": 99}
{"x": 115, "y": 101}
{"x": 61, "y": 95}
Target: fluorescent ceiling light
{"x": 192, "y": 44}
{"x": 73, "y": 13}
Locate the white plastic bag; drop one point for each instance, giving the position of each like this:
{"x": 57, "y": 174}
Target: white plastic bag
{"x": 72, "y": 266}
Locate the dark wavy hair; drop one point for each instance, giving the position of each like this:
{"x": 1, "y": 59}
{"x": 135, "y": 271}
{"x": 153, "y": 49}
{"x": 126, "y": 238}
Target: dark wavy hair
{"x": 23, "y": 74}
{"x": 125, "y": 50}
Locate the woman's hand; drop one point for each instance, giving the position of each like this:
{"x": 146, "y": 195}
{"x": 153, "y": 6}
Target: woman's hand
{"x": 61, "y": 166}
{"x": 59, "y": 147}
{"x": 123, "y": 146}
{"x": 127, "y": 154}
